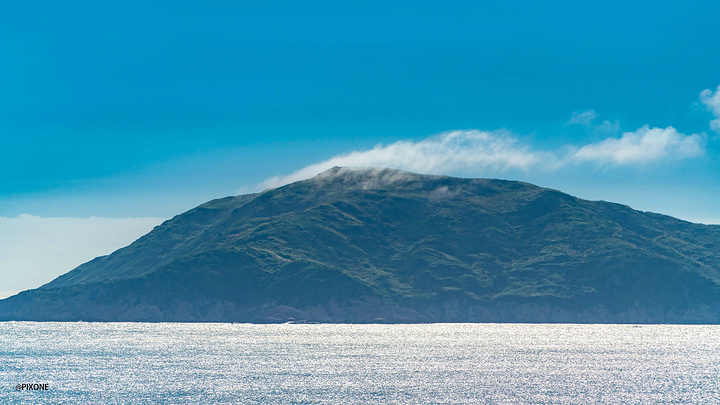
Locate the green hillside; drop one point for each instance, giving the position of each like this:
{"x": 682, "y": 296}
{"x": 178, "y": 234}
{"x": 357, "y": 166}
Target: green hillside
{"x": 381, "y": 245}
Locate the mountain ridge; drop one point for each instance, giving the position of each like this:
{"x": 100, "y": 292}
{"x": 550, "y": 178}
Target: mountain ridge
{"x": 383, "y": 245}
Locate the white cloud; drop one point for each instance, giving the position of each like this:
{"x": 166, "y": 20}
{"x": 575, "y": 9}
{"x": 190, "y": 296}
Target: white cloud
{"x": 494, "y": 152}
{"x": 479, "y": 150}
{"x": 642, "y": 146}
{"x": 583, "y": 118}
{"x": 712, "y": 101}
{"x": 34, "y": 250}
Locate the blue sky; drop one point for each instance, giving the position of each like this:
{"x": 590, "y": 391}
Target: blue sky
{"x": 146, "y": 109}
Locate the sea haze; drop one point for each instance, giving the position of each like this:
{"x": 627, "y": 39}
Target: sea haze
{"x": 114, "y": 363}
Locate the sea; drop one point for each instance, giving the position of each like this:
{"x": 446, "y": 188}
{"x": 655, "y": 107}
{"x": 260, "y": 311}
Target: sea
{"x": 216, "y": 363}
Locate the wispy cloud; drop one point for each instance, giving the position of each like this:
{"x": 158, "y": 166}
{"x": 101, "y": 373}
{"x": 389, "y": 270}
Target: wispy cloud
{"x": 583, "y": 118}
{"x": 586, "y": 118}
{"x": 642, "y": 146}
{"x": 40, "y": 249}
{"x": 712, "y": 102}
{"x": 475, "y": 150}
{"x": 494, "y": 152}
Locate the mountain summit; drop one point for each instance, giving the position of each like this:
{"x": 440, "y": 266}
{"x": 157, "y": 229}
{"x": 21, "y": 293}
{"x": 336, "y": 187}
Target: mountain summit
{"x": 382, "y": 245}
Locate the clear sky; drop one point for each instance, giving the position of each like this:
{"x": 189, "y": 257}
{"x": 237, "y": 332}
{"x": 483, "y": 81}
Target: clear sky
{"x": 137, "y": 111}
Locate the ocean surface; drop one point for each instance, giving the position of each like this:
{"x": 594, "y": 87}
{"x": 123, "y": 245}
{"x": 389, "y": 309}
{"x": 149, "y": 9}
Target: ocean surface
{"x": 135, "y": 363}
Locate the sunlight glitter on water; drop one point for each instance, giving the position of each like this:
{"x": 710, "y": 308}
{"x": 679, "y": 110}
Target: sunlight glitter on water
{"x": 91, "y": 363}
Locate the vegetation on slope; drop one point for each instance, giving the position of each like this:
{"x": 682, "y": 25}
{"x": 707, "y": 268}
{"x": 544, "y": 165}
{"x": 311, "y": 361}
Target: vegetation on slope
{"x": 380, "y": 243}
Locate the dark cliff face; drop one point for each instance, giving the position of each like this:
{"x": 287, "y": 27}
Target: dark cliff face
{"x": 374, "y": 245}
